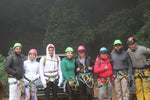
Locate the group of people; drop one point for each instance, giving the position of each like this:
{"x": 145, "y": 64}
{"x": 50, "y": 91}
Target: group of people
{"x": 116, "y": 68}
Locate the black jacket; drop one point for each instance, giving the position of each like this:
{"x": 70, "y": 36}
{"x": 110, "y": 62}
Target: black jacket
{"x": 88, "y": 63}
{"x": 14, "y": 66}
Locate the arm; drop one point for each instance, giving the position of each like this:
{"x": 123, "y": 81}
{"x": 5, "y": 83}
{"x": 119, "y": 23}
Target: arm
{"x": 90, "y": 67}
{"x": 130, "y": 66}
{"x": 8, "y": 66}
{"x": 97, "y": 68}
{"x": 146, "y": 50}
{"x": 41, "y": 71}
{"x": 64, "y": 71}
{"x": 59, "y": 72}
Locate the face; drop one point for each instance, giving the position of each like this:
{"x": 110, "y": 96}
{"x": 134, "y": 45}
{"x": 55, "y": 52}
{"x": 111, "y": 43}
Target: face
{"x": 81, "y": 53}
{"x": 18, "y": 50}
{"x": 51, "y": 51}
{"x": 69, "y": 54}
{"x": 103, "y": 55}
{"x": 132, "y": 46}
{"x": 118, "y": 47}
{"x": 32, "y": 57}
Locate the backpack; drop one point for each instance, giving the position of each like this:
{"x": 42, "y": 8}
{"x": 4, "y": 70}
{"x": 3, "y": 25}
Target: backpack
{"x": 107, "y": 62}
{"x": 53, "y": 60}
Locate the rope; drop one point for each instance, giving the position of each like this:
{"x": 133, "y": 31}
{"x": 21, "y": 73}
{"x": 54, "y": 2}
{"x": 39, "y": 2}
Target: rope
{"x": 86, "y": 78}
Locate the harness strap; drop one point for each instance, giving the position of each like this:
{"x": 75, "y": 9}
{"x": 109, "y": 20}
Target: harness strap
{"x": 29, "y": 79}
{"x": 13, "y": 83}
{"x": 141, "y": 75}
{"x": 50, "y": 77}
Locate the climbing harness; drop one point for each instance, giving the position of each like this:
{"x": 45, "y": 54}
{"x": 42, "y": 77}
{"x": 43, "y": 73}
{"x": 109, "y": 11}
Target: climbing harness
{"x": 86, "y": 79}
{"x": 50, "y": 77}
{"x": 74, "y": 85}
{"x": 30, "y": 84}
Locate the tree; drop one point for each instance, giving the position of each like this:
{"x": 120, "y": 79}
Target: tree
{"x": 67, "y": 26}
{"x": 142, "y": 35}
{"x": 119, "y": 25}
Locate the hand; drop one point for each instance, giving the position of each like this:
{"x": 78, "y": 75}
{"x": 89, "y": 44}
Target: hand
{"x": 106, "y": 68}
{"x": 90, "y": 68}
{"x": 70, "y": 83}
{"x": 113, "y": 50}
{"x": 78, "y": 69}
{"x": 44, "y": 86}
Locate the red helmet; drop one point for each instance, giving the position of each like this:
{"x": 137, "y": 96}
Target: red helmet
{"x": 33, "y": 51}
{"x": 81, "y": 48}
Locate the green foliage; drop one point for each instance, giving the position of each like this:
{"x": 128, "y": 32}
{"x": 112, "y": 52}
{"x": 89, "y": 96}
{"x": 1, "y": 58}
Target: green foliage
{"x": 3, "y": 74}
{"x": 67, "y": 27}
{"x": 119, "y": 25}
{"x": 143, "y": 36}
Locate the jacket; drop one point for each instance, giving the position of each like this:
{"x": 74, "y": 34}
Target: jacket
{"x": 51, "y": 69}
{"x": 31, "y": 70}
{"x": 68, "y": 68}
{"x": 122, "y": 62}
{"x": 99, "y": 68}
{"x": 84, "y": 68}
{"x": 14, "y": 66}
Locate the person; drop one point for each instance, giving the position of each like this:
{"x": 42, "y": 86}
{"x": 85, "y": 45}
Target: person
{"x": 50, "y": 72}
{"x": 68, "y": 71}
{"x": 85, "y": 69}
{"x": 141, "y": 70}
{"x": 15, "y": 70}
{"x": 2, "y": 90}
{"x": 122, "y": 68}
{"x": 103, "y": 68}
{"x": 31, "y": 75}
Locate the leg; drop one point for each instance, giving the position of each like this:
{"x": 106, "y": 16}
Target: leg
{"x": 47, "y": 91}
{"x": 34, "y": 90}
{"x": 146, "y": 84}
{"x": 101, "y": 92}
{"x": 124, "y": 86}
{"x": 89, "y": 93}
{"x": 27, "y": 93}
{"x": 109, "y": 91}
{"x": 139, "y": 89}
{"x": 69, "y": 91}
{"x": 12, "y": 88}
{"x": 54, "y": 90}
{"x": 83, "y": 90}
{"x": 117, "y": 84}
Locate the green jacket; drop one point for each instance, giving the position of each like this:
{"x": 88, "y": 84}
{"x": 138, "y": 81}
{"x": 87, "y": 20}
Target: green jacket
{"x": 68, "y": 68}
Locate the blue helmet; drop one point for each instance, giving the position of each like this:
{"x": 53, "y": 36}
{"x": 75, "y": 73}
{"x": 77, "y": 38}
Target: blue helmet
{"x": 103, "y": 49}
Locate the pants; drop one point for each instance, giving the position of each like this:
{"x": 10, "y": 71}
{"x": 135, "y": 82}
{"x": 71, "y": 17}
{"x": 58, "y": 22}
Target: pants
{"x": 54, "y": 87}
{"x": 121, "y": 88}
{"x": 69, "y": 91}
{"x": 29, "y": 90}
{"x": 86, "y": 92}
{"x": 14, "y": 89}
{"x": 142, "y": 90}
{"x": 102, "y": 90}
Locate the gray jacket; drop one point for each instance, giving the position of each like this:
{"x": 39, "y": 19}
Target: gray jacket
{"x": 138, "y": 56}
{"x": 121, "y": 62}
